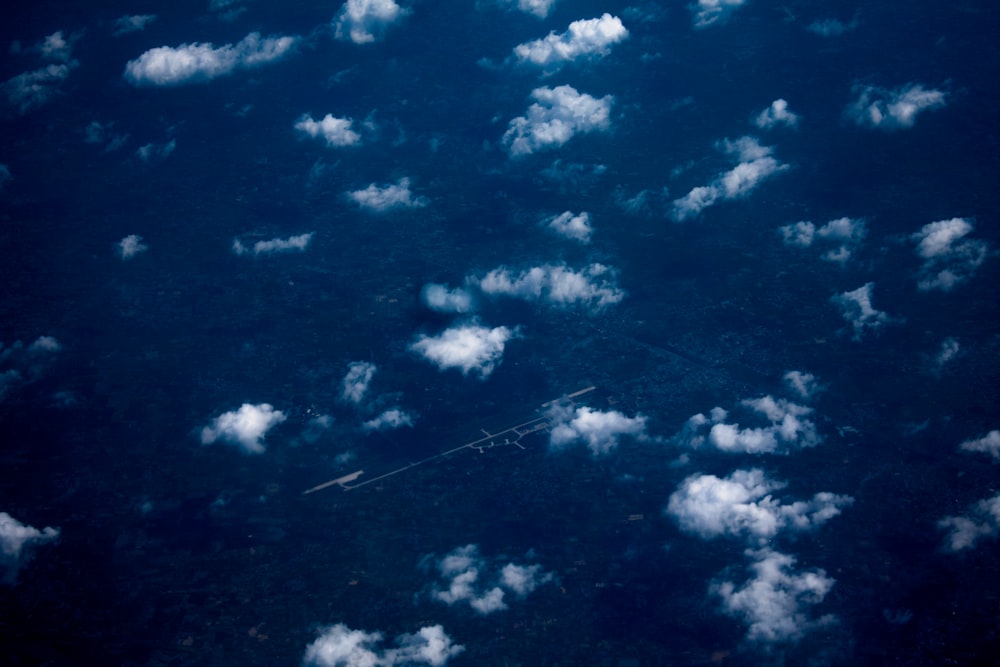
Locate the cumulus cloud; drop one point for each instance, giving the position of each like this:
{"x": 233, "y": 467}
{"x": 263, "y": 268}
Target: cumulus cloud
{"x": 31, "y": 90}
{"x": 134, "y": 23}
{"x": 244, "y": 428}
{"x": 775, "y": 115}
{"x": 443, "y": 300}
{"x": 571, "y": 225}
{"x": 949, "y": 257}
{"x": 198, "y": 62}
{"x": 556, "y": 115}
{"x": 154, "y": 152}
{"x": 363, "y": 21}
{"x": 469, "y": 347}
{"x": 754, "y": 167}
{"x": 949, "y": 349}
{"x": 537, "y": 8}
{"x": 98, "y": 133}
{"x": 886, "y": 109}
{"x": 381, "y": 198}
{"x": 25, "y": 363}
{"x": 355, "y": 384}
{"x": 389, "y": 419}
{"x": 988, "y": 444}
{"x": 594, "y": 286}
{"x": 16, "y": 540}
{"x": 775, "y": 602}
{"x": 982, "y": 520}
{"x": 804, "y": 384}
{"x": 786, "y": 426}
{"x": 600, "y": 431}
{"x": 468, "y": 580}
{"x": 856, "y": 307}
{"x": 843, "y": 233}
{"x": 292, "y": 243}
{"x": 710, "y": 12}
{"x": 586, "y": 38}
{"x": 743, "y": 505}
{"x": 340, "y": 646}
{"x": 336, "y": 132}
{"x": 130, "y": 246}
{"x": 831, "y": 27}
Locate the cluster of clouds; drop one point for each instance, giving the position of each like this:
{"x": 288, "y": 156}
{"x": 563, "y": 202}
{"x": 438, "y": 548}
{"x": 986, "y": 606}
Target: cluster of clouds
{"x": 856, "y": 307}
{"x": 586, "y": 38}
{"x": 30, "y": 90}
{"x": 467, "y": 580}
{"x": 21, "y": 364}
{"x": 340, "y": 646}
{"x": 743, "y": 505}
{"x": 776, "y": 115}
{"x": 244, "y": 428}
{"x": 198, "y": 62}
{"x": 16, "y": 540}
{"x": 594, "y": 286}
{"x": 894, "y": 109}
{"x": 599, "y": 430}
{"x": 556, "y": 115}
{"x": 293, "y": 243}
{"x": 98, "y": 133}
{"x": 574, "y": 226}
{"x": 981, "y": 520}
{"x": 364, "y": 21}
{"x": 469, "y": 347}
{"x": 786, "y": 426}
{"x": 337, "y": 132}
{"x": 756, "y": 164}
{"x": 710, "y": 12}
{"x": 844, "y": 233}
{"x": 949, "y": 258}
{"x": 388, "y": 197}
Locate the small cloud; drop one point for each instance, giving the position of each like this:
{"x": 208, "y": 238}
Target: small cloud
{"x": 388, "y": 420}
{"x": 775, "y": 115}
{"x": 16, "y": 541}
{"x": 844, "y": 233}
{"x": 31, "y": 90}
{"x": 949, "y": 257}
{"x": 130, "y": 246}
{"x": 594, "y": 286}
{"x": 587, "y": 38}
{"x": 786, "y": 426}
{"x": 804, "y": 384}
{"x": 336, "y": 132}
{"x": 949, "y": 349}
{"x": 154, "y": 152}
{"x": 774, "y": 603}
{"x": 97, "y": 133}
{"x": 134, "y": 23}
{"x": 199, "y": 62}
{"x": 831, "y": 27}
{"x": 468, "y": 580}
{"x": 364, "y": 21}
{"x": 571, "y": 225}
{"x": 5, "y": 176}
{"x": 710, "y": 12}
{"x": 600, "y": 431}
{"x": 470, "y": 347}
{"x": 443, "y": 300}
{"x": 245, "y": 427}
{"x": 340, "y": 646}
{"x": 291, "y": 244}
{"x": 382, "y": 198}
{"x": 988, "y": 444}
{"x": 886, "y": 109}
{"x": 983, "y": 520}
{"x": 355, "y": 384}
{"x": 25, "y": 363}
{"x": 537, "y": 8}
{"x": 856, "y": 307}
{"x": 556, "y": 115}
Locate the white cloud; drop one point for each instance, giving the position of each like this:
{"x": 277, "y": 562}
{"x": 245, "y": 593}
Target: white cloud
{"x": 743, "y": 505}
{"x": 127, "y": 24}
{"x": 15, "y": 540}
{"x": 571, "y": 225}
{"x": 775, "y": 115}
{"x": 31, "y": 90}
{"x": 387, "y": 197}
{"x": 965, "y": 531}
{"x": 600, "y": 431}
{"x": 584, "y": 38}
{"x": 755, "y": 166}
{"x": 130, "y": 246}
{"x": 336, "y": 131}
{"x": 443, "y": 300}
{"x": 949, "y": 349}
{"x": 989, "y": 444}
{"x": 469, "y": 347}
{"x": 152, "y": 152}
{"x": 594, "y": 286}
{"x": 555, "y": 116}
{"x": 340, "y": 646}
{"x": 786, "y": 426}
{"x": 464, "y": 570}
{"x": 292, "y": 243}
{"x": 355, "y": 384}
{"x": 538, "y": 8}
{"x": 245, "y": 427}
{"x": 804, "y": 384}
{"x": 856, "y": 307}
{"x": 949, "y": 257}
{"x": 774, "y": 603}
{"x": 847, "y": 233}
{"x": 362, "y": 21}
{"x": 96, "y": 133}
{"x": 193, "y": 63}
{"x": 709, "y": 12}
{"x": 26, "y": 363}
{"x": 389, "y": 419}
{"x": 892, "y": 109}
{"x": 831, "y": 27}
{"x": 56, "y": 47}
